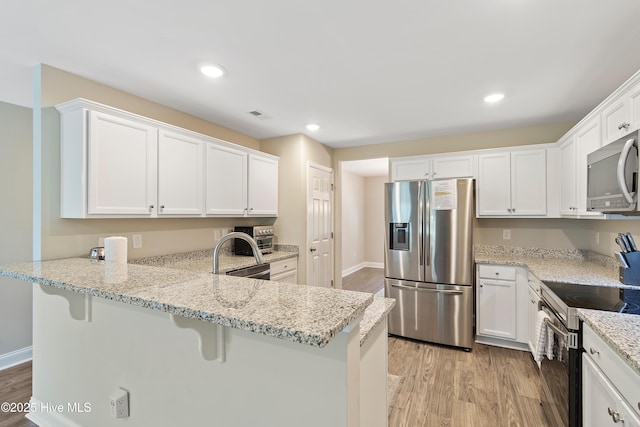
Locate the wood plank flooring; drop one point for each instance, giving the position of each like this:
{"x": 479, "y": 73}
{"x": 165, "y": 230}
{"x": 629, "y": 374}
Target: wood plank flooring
{"x": 15, "y": 386}
{"x": 443, "y": 386}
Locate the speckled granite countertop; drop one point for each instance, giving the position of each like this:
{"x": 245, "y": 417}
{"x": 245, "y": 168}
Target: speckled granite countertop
{"x": 552, "y": 265}
{"x": 375, "y": 314}
{"x": 202, "y": 261}
{"x": 303, "y": 314}
{"x": 620, "y": 331}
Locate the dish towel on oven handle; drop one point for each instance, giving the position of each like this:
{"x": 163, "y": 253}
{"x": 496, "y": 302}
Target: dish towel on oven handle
{"x": 544, "y": 338}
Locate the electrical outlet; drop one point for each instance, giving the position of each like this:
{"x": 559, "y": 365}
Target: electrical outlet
{"x": 506, "y": 234}
{"x": 119, "y": 403}
{"x": 137, "y": 241}
{"x": 217, "y": 234}
{"x": 597, "y": 237}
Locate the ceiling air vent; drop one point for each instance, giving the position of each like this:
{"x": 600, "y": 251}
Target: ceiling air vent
{"x": 259, "y": 114}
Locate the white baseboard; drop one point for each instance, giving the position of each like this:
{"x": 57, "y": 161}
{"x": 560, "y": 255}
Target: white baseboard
{"x": 46, "y": 415}
{"x": 360, "y": 266}
{"x": 14, "y": 358}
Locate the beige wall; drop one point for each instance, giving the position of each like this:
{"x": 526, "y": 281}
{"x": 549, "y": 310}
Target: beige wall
{"x": 354, "y": 228}
{"x": 600, "y": 234}
{"x": 15, "y": 220}
{"x": 540, "y": 233}
{"x": 295, "y": 152}
{"x": 374, "y": 219}
{"x": 69, "y": 237}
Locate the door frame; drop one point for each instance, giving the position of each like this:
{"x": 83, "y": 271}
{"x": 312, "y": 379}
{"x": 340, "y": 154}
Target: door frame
{"x": 329, "y": 170}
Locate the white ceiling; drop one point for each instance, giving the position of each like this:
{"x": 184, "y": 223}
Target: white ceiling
{"x": 368, "y": 71}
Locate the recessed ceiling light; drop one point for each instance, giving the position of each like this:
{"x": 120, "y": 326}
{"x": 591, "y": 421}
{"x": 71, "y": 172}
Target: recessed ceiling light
{"x": 313, "y": 127}
{"x": 212, "y": 70}
{"x": 494, "y": 97}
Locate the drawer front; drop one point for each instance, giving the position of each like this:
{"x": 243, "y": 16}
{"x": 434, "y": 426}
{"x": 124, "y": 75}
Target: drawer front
{"x": 619, "y": 373}
{"x": 500, "y": 272}
{"x": 288, "y": 264}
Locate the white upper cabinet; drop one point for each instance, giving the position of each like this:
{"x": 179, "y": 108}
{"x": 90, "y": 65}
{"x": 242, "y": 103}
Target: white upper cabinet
{"x": 180, "y": 174}
{"x": 512, "y": 183}
{"x": 115, "y": 164}
{"x": 121, "y": 165}
{"x": 573, "y": 166}
{"x": 622, "y": 115}
{"x": 432, "y": 167}
{"x": 226, "y": 182}
{"x": 262, "y": 192}
{"x": 410, "y": 169}
{"x": 240, "y": 183}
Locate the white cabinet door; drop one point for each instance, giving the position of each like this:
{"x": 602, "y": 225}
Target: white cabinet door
{"x": 180, "y": 174}
{"x": 533, "y": 302}
{"x": 494, "y": 184}
{"x": 410, "y": 169}
{"x": 614, "y": 117}
{"x": 226, "y": 180}
{"x": 263, "y": 186}
{"x": 568, "y": 178}
{"x": 453, "y": 167}
{"x": 529, "y": 182}
{"x": 602, "y": 405}
{"x": 122, "y": 166}
{"x": 621, "y": 116}
{"x": 496, "y": 309}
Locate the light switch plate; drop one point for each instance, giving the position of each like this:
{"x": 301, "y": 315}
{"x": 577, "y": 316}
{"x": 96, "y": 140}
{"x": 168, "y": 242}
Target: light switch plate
{"x": 506, "y": 234}
{"x": 137, "y": 241}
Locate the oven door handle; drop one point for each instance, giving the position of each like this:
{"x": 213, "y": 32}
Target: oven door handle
{"x": 557, "y": 330}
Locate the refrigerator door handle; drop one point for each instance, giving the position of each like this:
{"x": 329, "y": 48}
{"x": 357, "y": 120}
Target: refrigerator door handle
{"x": 439, "y": 291}
{"x": 427, "y": 224}
{"x": 420, "y": 225}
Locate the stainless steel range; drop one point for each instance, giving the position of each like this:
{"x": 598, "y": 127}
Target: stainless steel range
{"x": 561, "y": 377}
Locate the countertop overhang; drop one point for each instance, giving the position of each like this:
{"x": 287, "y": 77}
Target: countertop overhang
{"x": 303, "y": 314}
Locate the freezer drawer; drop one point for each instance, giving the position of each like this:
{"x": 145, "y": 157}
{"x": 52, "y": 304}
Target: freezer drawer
{"x": 431, "y": 312}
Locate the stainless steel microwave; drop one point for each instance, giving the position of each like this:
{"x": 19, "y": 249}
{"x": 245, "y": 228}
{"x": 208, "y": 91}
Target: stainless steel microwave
{"x": 612, "y": 177}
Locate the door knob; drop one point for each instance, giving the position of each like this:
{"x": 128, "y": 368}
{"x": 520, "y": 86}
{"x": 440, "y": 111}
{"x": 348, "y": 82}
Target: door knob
{"x": 313, "y": 249}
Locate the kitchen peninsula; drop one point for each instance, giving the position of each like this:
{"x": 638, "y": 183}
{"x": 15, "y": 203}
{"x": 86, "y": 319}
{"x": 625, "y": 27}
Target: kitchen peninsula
{"x": 193, "y": 348}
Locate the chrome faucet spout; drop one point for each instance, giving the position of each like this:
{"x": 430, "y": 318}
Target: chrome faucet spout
{"x": 235, "y": 235}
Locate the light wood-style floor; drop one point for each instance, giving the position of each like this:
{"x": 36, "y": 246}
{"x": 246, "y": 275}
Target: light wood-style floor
{"x": 15, "y": 386}
{"x": 445, "y": 386}
{"x": 441, "y": 386}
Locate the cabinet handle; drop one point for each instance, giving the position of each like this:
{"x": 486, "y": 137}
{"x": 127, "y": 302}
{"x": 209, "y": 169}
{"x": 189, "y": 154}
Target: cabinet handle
{"x": 433, "y": 174}
{"x": 161, "y": 206}
{"x": 151, "y": 207}
{"x": 497, "y": 273}
{"x": 593, "y": 351}
{"x": 615, "y": 415}
{"x": 623, "y": 125}
{"x": 533, "y": 301}
{"x": 250, "y": 209}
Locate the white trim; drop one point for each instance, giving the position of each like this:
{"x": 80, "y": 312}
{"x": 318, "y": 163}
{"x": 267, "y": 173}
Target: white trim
{"x": 360, "y": 266}
{"x": 17, "y": 357}
{"x": 46, "y": 418}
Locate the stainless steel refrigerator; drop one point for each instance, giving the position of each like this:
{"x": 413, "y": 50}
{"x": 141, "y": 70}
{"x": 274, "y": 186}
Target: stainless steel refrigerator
{"x": 429, "y": 260}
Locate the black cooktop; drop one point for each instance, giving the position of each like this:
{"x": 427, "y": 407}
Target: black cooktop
{"x": 597, "y": 297}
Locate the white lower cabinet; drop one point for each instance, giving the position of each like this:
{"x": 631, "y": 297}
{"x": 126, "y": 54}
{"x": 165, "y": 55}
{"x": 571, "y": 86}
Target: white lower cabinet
{"x": 285, "y": 270}
{"x": 500, "y": 291}
{"x": 610, "y": 391}
{"x": 533, "y": 304}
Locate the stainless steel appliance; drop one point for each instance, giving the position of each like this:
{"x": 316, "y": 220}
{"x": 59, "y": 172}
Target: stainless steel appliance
{"x": 262, "y": 234}
{"x": 429, "y": 260}
{"x": 612, "y": 177}
{"x": 561, "y": 378}
{"x": 259, "y": 271}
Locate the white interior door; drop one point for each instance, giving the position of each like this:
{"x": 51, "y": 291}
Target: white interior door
{"x": 319, "y": 226}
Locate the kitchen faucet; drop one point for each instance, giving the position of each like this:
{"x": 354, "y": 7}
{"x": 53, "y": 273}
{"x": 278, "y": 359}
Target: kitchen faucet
{"x": 236, "y": 234}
